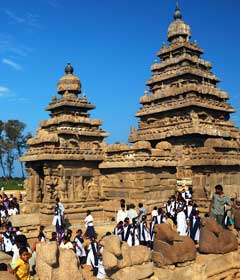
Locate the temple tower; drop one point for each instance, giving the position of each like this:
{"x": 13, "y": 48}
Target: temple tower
{"x": 185, "y": 107}
{"x": 63, "y": 157}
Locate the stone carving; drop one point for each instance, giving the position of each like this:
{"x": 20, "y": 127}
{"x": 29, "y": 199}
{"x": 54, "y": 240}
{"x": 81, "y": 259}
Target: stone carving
{"x": 216, "y": 240}
{"x": 170, "y": 248}
{"x": 122, "y": 262}
{"x": 33, "y": 185}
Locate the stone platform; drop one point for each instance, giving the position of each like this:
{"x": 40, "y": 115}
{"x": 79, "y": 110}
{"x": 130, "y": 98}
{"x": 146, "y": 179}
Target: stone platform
{"x": 206, "y": 267}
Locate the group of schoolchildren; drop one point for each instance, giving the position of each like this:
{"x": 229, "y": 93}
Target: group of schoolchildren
{"x": 180, "y": 213}
{"x": 8, "y": 206}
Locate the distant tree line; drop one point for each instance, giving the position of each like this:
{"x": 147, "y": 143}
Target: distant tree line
{"x": 13, "y": 142}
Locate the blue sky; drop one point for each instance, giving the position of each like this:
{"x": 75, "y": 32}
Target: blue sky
{"x": 111, "y": 45}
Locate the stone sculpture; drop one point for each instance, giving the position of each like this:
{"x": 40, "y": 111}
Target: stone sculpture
{"x": 171, "y": 248}
{"x": 122, "y": 262}
{"x": 216, "y": 240}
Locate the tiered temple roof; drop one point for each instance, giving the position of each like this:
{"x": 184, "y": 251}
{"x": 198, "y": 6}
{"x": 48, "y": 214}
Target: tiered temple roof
{"x": 69, "y": 134}
{"x": 183, "y": 98}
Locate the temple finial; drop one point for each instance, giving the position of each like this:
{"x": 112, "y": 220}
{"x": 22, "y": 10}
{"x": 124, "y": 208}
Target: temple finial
{"x": 68, "y": 69}
{"x": 177, "y": 13}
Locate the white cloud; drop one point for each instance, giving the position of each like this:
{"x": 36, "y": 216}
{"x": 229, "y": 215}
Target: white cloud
{"x": 12, "y": 64}
{"x": 30, "y": 20}
{"x": 4, "y": 91}
{"x": 11, "y": 97}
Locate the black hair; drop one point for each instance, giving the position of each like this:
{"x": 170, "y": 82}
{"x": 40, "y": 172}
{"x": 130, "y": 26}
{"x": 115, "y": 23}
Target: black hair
{"x": 219, "y": 187}
{"x": 155, "y": 208}
{"x": 122, "y": 205}
{"x": 168, "y": 215}
{"x": 126, "y": 220}
{"x": 144, "y": 217}
{"x": 21, "y": 239}
{"x": 140, "y": 204}
{"x": 108, "y": 233}
{"x": 23, "y": 250}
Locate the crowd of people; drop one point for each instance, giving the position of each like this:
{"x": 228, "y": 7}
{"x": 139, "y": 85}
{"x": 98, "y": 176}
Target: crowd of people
{"x": 133, "y": 225}
{"x": 8, "y": 206}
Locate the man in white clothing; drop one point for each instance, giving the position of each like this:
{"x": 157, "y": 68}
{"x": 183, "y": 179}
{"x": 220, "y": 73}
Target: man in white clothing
{"x": 122, "y": 214}
{"x": 181, "y": 222}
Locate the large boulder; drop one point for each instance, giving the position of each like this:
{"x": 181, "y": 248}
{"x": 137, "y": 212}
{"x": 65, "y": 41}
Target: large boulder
{"x": 216, "y": 240}
{"x": 53, "y": 263}
{"x": 123, "y": 262}
{"x": 136, "y": 272}
{"x": 5, "y": 275}
{"x": 171, "y": 248}
{"x": 5, "y": 258}
{"x": 68, "y": 265}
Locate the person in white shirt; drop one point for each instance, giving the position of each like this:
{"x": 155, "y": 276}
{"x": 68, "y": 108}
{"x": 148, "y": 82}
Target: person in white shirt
{"x": 135, "y": 233}
{"x": 132, "y": 213}
{"x": 144, "y": 232}
{"x": 118, "y": 230}
{"x": 188, "y": 210}
{"x": 90, "y": 232}
{"x": 60, "y": 206}
{"x": 101, "y": 271}
{"x": 194, "y": 226}
{"x": 92, "y": 257}
{"x": 80, "y": 251}
{"x": 66, "y": 244}
{"x": 7, "y": 240}
{"x": 181, "y": 222}
{"x": 127, "y": 231}
{"x": 158, "y": 219}
{"x": 17, "y": 231}
{"x": 12, "y": 210}
{"x": 154, "y": 212}
{"x": 121, "y": 214}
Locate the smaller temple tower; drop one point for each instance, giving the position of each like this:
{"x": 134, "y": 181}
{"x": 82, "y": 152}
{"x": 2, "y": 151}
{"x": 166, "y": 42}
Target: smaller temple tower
{"x": 63, "y": 157}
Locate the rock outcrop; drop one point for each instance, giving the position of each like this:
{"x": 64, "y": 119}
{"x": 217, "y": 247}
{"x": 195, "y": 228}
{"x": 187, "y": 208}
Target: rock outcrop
{"x": 53, "y": 263}
{"x": 216, "y": 240}
{"x": 122, "y": 262}
{"x": 170, "y": 248}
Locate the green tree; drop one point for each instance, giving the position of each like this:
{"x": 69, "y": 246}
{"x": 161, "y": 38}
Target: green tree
{"x": 2, "y": 150}
{"x": 16, "y": 139}
{"x": 10, "y": 156}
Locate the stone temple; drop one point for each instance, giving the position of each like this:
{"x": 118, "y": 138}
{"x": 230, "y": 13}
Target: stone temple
{"x": 184, "y": 138}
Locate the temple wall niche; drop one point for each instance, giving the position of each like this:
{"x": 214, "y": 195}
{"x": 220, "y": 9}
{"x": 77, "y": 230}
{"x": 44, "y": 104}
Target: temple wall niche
{"x": 205, "y": 179}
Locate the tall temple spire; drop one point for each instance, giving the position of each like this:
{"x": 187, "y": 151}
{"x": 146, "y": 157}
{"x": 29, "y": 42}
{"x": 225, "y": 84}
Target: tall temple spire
{"x": 177, "y": 13}
{"x": 69, "y": 69}
{"x": 178, "y": 29}
{"x": 69, "y": 82}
